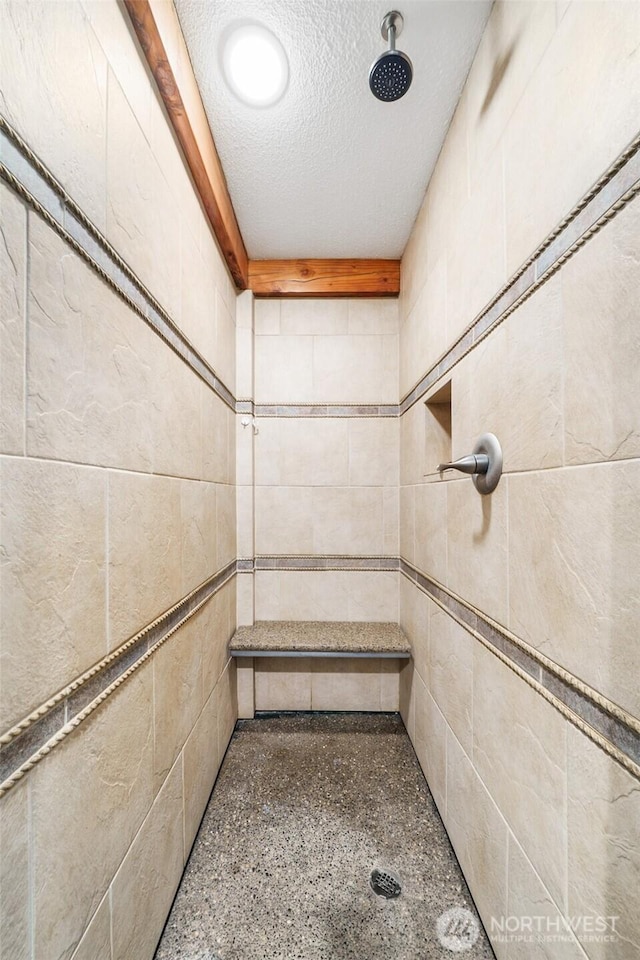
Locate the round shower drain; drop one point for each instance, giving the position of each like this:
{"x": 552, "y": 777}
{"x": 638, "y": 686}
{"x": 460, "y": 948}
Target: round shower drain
{"x": 385, "y": 884}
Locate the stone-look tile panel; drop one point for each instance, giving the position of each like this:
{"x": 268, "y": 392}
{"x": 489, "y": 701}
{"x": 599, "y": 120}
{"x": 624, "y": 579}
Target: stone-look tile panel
{"x": 53, "y": 620}
{"x": 511, "y": 385}
{"x": 176, "y": 416}
{"x": 245, "y": 521}
{"x": 476, "y": 253}
{"x": 424, "y": 333}
{"x": 603, "y": 812}
{"x": 246, "y": 606}
{"x": 341, "y": 376}
{"x": 267, "y": 317}
{"x": 177, "y": 695}
{"x": 601, "y": 292}
{"x": 430, "y": 739}
{"x": 390, "y": 521}
{"x": 96, "y": 942}
{"x": 371, "y": 316}
{"x": 477, "y": 546}
{"x": 145, "y": 543}
{"x": 224, "y": 361}
{"x": 353, "y": 684}
{"x": 414, "y": 459}
{"x": 415, "y": 622}
{"x": 407, "y": 531}
{"x": 89, "y": 365}
{"x": 374, "y": 452}
{"x": 547, "y": 166}
{"x": 114, "y": 751}
{"x": 332, "y": 595}
{"x": 283, "y": 369}
{"x": 226, "y": 693}
{"x": 13, "y": 269}
{"x": 324, "y": 317}
{"x": 199, "y": 532}
{"x": 451, "y": 673}
{"x": 528, "y": 898}
{"x": 519, "y": 751}
{"x": 66, "y": 123}
{"x": 143, "y": 221}
{"x": 225, "y": 524}
{"x": 478, "y": 834}
{"x": 218, "y": 422}
{"x": 15, "y": 916}
{"x": 201, "y": 763}
{"x": 431, "y": 529}
{"x": 582, "y": 603}
{"x": 302, "y": 452}
{"x": 144, "y": 886}
{"x": 283, "y": 683}
{"x": 215, "y": 624}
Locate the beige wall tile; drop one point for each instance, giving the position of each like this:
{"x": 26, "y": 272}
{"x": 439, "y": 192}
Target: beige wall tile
{"x": 600, "y": 293}
{"x": 451, "y": 673}
{"x": 284, "y": 520}
{"x": 283, "y": 683}
{"x": 371, "y": 597}
{"x": 143, "y": 221}
{"x": 114, "y": 751}
{"x": 244, "y": 354}
{"x": 90, "y": 364}
{"x": 215, "y": 624}
{"x": 603, "y": 812}
{"x": 66, "y": 123}
{"x": 283, "y": 369}
{"x": 347, "y": 521}
{"x": 478, "y": 833}
{"x": 177, "y": 695}
{"x": 357, "y": 369}
{"x": 368, "y": 317}
{"x": 225, "y": 346}
{"x": 519, "y": 751}
{"x": 309, "y": 316}
{"x": 144, "y": 886}
{"x": 246, "y": 687}
{"x": 176, "y": 416}
{"x": 52, "y": 577}
{"x": 512, "y": 385}
{"x": 579, "y": 605}
{"x": 477, "y": 546}
{"x": 201, "y": 760}
{"x": 331, "y": 595}
{"x": 96, "y": 942}
{"x": 227, "y": 694}
{"x": 430, "y": 739}
{"x": 390, "y": 521}
{"x": 415, "y": 621}
{"x": 244, "y": 473}
{"x": 15, "y": 912}
{"x": 303, "y": 452}
{"x": 374, "y": 451}
{"x": 225, "y": 524}
{"x": 145, "y": 550}
{"x": 217, "y": 422}
{"x": 199, "y": 532}
{"x": 548, "y": 166}
{"x": 390, "y": 684}
{"x": 245, "y": 612}
{"x": 527, "y": 898}
{"x": 267, "y": 317}
{"x": 407, "y": 699}
{"x": 346, "y": 684}
{"x": 431, "y": 529}
{"x": 408, "y": 523}
{"x": 414, "y": 462}
{"x": 245, "y": 521}
{"x": 13, "y": 271}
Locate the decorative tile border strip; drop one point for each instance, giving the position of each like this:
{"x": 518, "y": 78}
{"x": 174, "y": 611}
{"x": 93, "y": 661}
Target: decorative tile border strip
{"x": 615, "y": 189}
{"x": 28, "y": 742}
{"x": 327, "y": 410}
{"x": 324, "y": 563}
{"x": 612, "y": 728}
{"x": 21, "y": 169}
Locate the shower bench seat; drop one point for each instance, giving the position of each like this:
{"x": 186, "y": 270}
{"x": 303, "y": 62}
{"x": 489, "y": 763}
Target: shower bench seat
{"x": 292, "y": 665}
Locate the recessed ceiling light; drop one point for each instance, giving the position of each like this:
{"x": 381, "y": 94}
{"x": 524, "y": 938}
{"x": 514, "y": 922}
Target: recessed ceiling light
{"x": 255, "y": 65}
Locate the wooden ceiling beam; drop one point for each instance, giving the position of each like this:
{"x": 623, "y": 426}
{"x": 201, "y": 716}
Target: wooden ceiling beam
{"x": 324, "y": 278}
{"x": 156, "y": 25}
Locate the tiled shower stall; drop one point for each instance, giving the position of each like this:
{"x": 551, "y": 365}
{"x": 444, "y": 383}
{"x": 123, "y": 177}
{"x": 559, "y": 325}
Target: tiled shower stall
{"x": 178, "y": 459}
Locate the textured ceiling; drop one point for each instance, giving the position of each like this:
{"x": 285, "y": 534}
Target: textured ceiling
{"x": 330, "y": 171}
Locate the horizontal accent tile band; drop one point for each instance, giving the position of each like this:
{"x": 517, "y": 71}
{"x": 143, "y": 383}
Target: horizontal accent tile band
{"x": 21, "y": 169}
{"x": 29, "y": 741}
{"x": 613, "y": 191}
{"x": 327, "y": 410}
{"x": 612, "y": 724}
{"x": 381, "y": 564}
{"x": 257, "y": 654}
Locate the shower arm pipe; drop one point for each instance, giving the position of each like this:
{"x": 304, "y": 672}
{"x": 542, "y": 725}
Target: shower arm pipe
{"x": 473, "y": 463}
{"x": 392, "y": 36}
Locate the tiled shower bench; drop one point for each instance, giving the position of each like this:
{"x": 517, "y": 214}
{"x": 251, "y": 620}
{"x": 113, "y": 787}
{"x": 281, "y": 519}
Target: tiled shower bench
{"x": 288, "y": 665}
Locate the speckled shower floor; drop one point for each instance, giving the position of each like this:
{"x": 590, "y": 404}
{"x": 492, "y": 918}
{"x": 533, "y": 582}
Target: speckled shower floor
{"x": 305, "y": 807}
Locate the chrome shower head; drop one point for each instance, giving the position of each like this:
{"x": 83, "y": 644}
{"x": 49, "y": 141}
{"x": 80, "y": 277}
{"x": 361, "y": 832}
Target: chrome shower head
{"x": 391, "y": 75}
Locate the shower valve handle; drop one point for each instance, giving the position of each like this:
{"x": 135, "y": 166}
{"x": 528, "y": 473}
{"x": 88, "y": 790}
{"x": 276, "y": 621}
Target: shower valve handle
{"x": 474, "y": 463}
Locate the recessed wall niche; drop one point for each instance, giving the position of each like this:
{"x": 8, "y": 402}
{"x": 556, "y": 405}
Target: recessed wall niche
{"x": 437, "y": 443}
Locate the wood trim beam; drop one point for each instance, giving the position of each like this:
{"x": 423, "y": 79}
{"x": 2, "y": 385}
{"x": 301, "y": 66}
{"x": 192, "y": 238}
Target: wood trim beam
{"x": 156, "y": 25}
{"x": 324, "y": 278}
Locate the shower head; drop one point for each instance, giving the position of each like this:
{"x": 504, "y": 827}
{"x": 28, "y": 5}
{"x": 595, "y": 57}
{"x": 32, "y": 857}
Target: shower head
{"x": 391, "y": 74}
